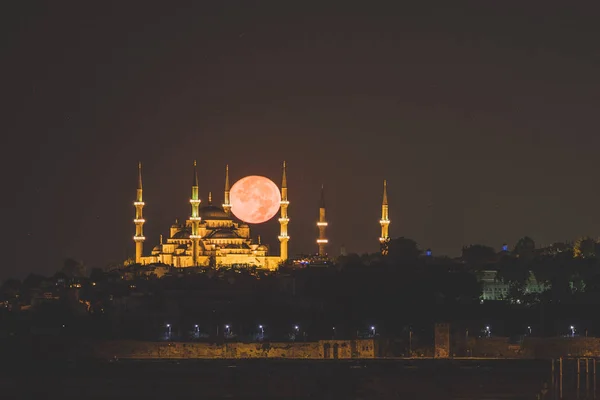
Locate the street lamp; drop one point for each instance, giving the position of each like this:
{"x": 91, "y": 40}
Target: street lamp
{"x": 572, "y": 330}
{"x": 373, "y": 330}
{"x": 529, "y": 329}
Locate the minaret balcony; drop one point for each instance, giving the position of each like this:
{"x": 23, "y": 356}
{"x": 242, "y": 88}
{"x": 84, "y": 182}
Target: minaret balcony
{"x": 139, "y": 221}
{"x": 383, "y": 239}
{"x": 139, "y": 203}
{"x": 139, "y": 238}
{"x": 226, "y": 205}
{"x": 284, "y": 202}
{"x": 195, "y": 201}
{"x": 322, "y": 241}
{"x": 195, "y": 219}
{"x": 321, "y": 223}
{"x": 384, "y": 221}
{"x": 195, "y": 237}
{"x": 283, "y": 238}
{"x": 284, "y": 220}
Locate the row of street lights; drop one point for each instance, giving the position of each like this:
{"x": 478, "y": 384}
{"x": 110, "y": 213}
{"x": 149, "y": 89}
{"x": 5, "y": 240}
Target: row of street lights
{"x": 488, "y": 332}
{"x": 228, "y": 331}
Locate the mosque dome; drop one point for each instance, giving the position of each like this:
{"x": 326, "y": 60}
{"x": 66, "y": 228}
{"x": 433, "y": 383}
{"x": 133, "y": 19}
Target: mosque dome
{"x": 224, "y": 234}
{"x": 213, "y": 212}
{"x": 182, "y": 234}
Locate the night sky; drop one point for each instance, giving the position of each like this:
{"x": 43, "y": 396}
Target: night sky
{"x": 483, "y": 118}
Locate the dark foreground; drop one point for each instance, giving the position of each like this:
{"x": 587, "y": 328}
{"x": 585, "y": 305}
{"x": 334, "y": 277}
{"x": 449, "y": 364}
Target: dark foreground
{"x": 289, "y": 379}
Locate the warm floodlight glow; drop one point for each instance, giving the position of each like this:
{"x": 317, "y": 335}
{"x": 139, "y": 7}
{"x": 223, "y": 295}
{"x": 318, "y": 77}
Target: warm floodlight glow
{"x": 255, "y": 199}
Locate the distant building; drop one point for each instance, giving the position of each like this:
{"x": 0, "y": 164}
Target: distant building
{"x": 494, "y": 289}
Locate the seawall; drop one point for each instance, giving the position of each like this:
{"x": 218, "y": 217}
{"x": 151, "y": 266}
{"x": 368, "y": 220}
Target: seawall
{"x": 323, "y": 349}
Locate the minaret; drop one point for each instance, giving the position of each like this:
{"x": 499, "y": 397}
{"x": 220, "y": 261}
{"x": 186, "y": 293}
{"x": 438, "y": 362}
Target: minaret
{"x": 195, "y": 218}
{"x": 322, "y": 224}
{"x": 283, "y": 221}
{"x": 384, "y": 221}
{"x": 226, "y": 203}
{"x": 139, "y": 219}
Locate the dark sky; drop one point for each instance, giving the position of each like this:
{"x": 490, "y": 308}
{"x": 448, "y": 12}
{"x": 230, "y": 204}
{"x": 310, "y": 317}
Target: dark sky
{"x": 483, "y": 118}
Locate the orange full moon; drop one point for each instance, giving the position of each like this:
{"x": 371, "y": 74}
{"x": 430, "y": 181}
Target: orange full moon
{"x": 255, "y": 199}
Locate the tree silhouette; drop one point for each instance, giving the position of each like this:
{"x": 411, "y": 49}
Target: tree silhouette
{"x": 403, "y": 250}
{"x": 73, "y": 268}
{"x": 585, "y": 247}
{"x": 525, "y": 248}
{"x": 478, "y": 254}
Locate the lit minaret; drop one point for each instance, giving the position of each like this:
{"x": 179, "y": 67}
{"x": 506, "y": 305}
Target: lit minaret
{"x": 226, "y": 203}
{"x": 283, "y": 221}
{"x": 322, "y": 224}
{"x": 385, "y": 220}
{"x": 195, "y": 217}
{"x": 139, "y": 219}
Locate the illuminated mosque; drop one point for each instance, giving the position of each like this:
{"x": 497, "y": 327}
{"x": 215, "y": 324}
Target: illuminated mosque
{"x": 211, "y": 237}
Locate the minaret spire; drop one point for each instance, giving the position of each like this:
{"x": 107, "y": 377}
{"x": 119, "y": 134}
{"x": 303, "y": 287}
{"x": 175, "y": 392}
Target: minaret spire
{"x": 384, "y": 221}
{"x": 284, "y": 220}
{"x": 226, "y": 203}
{"x": 322, "y": 225}
{"x": 139, "y": 175}
{"x": 284, "y": 177}
{"x": 139, "y": 219}
{"x": 195, "y": 178}
{"x": 195, "y": 218}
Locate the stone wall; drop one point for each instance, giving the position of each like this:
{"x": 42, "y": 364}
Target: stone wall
{"x": 532, "y": 347}
{"x": 325, "y": 349}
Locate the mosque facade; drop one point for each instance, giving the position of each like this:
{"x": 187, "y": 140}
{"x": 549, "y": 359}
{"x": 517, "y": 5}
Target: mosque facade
{"x": 210, "y": 236}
